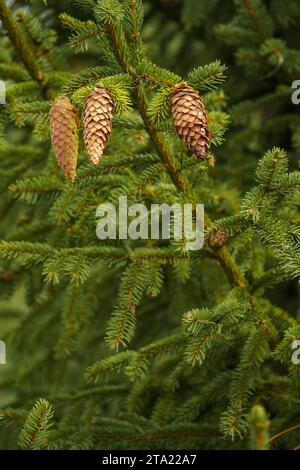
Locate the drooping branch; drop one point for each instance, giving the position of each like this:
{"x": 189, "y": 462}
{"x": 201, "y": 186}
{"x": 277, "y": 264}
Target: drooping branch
{"x": 223, "y": 256}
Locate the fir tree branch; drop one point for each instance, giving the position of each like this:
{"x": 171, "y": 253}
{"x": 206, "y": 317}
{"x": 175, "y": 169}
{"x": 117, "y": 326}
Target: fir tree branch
{"x": 23, "y": 48}
{"x": 164, "y": 151}
{"x": 141, "y": 101}
{"x": 250, "y": 11}
{"x": 36, "y": 429}
{"x": 230, "y": 267}
{"x": 285, "y": 431}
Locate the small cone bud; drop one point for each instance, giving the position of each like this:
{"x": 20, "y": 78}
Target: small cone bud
{"x": 64, "y": 137}
{"x": 97, "y": 122}
{"x": 218, "y": 238}
{"x": 190, "y": 120}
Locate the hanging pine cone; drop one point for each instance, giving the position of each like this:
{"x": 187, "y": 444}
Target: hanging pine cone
{"x": 190, "y": 120}
{"x": 97, "y": 122}
{"x": 63, "y": 127}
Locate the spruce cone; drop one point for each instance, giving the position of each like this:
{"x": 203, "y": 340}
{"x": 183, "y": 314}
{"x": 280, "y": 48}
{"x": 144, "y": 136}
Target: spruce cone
{"x": 218, "y": 238}
{"x": 97, "y": 122}
{"x": 189, "y": 117}
{"x": 63, "y": 127}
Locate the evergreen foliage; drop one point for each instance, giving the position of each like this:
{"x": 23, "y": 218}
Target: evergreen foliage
{"x": 144, "y": 344}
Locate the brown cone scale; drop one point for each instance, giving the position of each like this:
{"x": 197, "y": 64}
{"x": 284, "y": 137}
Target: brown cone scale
{"x": 218, "y": 238}
{"x": 64, "y": 137}
{"x": 97, "y": 122}
{"x": 190, "y": 120}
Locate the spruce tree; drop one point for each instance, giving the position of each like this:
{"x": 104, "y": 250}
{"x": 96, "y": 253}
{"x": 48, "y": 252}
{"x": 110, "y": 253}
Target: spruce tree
{"x": 128, "y": 344}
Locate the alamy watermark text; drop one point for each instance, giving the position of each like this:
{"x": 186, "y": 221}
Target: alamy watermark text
{"x": 159, "y": 221}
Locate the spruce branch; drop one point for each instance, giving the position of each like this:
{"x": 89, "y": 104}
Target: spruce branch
{"x": 164, "y": 151}
{"x": 142, "y": 104}
{"x": 207, "y": 77}
{"x": 36, "y": 431}
{"x": 233, "y": 338}
{"x": 23, "y": 48}
{"x": 256, "y": 10}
